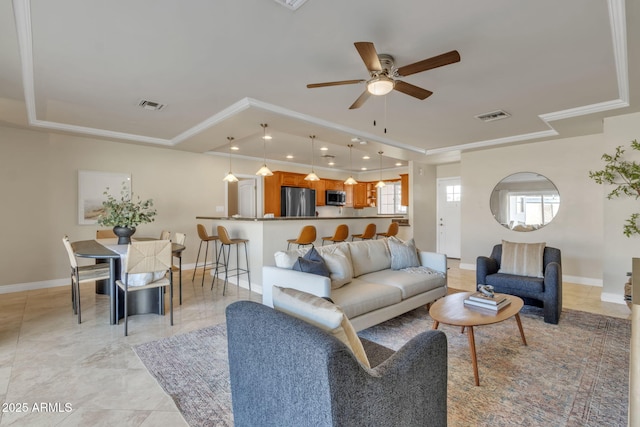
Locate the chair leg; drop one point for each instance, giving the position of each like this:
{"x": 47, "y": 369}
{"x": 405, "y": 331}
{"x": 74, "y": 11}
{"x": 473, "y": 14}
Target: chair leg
{"x": 246, "y": 254}
{"x": 197, "y": 259}
{"x": 171, "y": 299}
{"x": 180, "y": 278}
{"x": 126, "y": 311}
{"x": 226, "y": 266}
{"x": 204, "y": 266}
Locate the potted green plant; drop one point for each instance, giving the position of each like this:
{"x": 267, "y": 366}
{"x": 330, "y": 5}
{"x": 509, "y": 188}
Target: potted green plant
{"x": 625, "y": 175}
{"x": 126, "y": 213}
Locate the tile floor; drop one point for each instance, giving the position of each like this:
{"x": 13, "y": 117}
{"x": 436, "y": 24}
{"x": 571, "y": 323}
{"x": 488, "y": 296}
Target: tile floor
{"x": 47, "y": 358}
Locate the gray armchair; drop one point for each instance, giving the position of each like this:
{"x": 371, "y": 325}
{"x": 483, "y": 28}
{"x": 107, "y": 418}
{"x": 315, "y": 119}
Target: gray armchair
{"x": 541, "y": 292}
{"x": 286, "y": 372}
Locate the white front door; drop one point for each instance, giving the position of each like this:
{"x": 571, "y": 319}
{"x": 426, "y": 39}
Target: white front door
{"x": 449, "y": 199}
{"x": 247, "y": 198}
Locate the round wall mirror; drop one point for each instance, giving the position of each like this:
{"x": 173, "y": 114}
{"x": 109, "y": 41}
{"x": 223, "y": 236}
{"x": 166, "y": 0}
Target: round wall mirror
{"x": 525, "y": 201}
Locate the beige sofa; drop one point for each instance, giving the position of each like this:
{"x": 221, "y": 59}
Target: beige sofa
{"x": 362, "y": 281}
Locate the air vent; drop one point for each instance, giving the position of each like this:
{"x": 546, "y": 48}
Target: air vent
{"x": 291, "y": 4}
{"x": 150, "y": 105}
{"x": 494, "y": 115}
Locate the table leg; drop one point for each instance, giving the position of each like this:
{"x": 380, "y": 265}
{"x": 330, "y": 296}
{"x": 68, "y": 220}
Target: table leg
{"x": 474, "y": 359}
{"x": 180, "y": 278}
{"x": 435, "y": 324}
{"x": 112, "y": 291}
{"x": 524, "y": 340}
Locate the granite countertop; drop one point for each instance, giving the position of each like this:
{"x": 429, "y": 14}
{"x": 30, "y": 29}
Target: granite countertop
{"x": 299, "y": 218}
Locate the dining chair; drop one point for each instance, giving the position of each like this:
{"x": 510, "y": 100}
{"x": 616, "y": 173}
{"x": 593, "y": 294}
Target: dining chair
{"x": 105, "y": 234}
{"x": 82, "y": 274}
{"x": 152, "y": 256}
{"x": 205, "y": 238}
{"x": 369, "y": 233}
{"x": 165, "y": 235}
{"x": 340, "y": 235}
{"x": 179, "y": 238}
{"x": 391, "y": 231}
{"x": 227, "y": 242}
{"x": 307, "y": 237}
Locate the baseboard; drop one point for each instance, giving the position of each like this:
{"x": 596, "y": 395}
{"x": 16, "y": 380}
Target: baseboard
{"x": 32, "y": 286}
{"x": 587, "y": 281}
{"x": 614, "y": 298}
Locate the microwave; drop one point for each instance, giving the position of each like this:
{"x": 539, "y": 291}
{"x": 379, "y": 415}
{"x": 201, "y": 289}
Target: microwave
{"x": 336, "y": 198}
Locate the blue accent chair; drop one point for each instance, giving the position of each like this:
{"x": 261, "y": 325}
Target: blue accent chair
{"x": 540, "y": 292}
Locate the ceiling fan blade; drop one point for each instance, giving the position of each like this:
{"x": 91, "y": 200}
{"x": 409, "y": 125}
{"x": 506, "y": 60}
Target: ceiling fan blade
{"x": 341, "y": 82}
{"x": 361, "y": 100}
{"x": 428, "y": 64}
{"x": 369, "y": 55}
{"x": 411, "y": 90}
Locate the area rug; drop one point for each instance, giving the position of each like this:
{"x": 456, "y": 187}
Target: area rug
{"x": 571, "y": 374}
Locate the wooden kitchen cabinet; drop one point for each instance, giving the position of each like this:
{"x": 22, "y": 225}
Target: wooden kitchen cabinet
{"x": 333, "y": 184}
{"x": 360, "y": 195}
{"x": 320, "y": 187}
{"x": 372, "y": 195}
{"x": 404, "y": 189}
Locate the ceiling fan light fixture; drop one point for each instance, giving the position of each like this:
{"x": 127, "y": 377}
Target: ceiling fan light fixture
{"x": 380, "y": 85}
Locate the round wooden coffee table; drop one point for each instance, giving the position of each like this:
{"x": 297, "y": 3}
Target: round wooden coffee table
{"x": 451, "y": 310}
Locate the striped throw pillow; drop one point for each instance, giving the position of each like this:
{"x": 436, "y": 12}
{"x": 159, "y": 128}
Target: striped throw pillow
{"x": 522, "y": 259}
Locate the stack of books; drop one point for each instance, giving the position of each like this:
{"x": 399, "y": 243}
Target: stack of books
{"x": 480, "y": 300}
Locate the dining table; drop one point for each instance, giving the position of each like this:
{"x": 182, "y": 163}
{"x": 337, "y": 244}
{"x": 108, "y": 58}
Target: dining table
{"x": 142, "y": 302}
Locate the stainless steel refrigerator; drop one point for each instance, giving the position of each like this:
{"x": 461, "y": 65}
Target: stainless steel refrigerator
{"x": 297, "y": 201}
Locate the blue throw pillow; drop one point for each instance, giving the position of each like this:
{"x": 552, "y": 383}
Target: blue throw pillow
{"x": 312, "y": 263}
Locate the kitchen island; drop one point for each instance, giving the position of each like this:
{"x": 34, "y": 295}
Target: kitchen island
{"x": 269, "y": 235}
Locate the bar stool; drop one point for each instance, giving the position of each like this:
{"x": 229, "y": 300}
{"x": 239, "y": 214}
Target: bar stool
{"x": 307, "y": 237}
{"x": 369, "y": 233}
{"x": 391, "y": 231}
{"x": 205, "y": 238}
{"x": 226, "y": 242}
{"x": 340, "y": 235}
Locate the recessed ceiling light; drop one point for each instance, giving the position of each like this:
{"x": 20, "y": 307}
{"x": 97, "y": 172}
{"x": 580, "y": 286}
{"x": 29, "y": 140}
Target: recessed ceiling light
{"x": 331, "y": 163}
{"x": 398, "y": 164}
{"x": 289, "y": 156}
{"x": 355, "y": 139}
{"x": 365, "y": 157}
{"x": 324, "y": 149}
{"x": 363, "y": 169}
{"x": 235, "y": 148}
{"x": 267, "y": 137}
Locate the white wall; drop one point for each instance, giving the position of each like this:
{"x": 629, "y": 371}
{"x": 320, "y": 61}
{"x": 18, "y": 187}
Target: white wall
{"x": 618, "y": 250}
{"x": 577, "y": 228}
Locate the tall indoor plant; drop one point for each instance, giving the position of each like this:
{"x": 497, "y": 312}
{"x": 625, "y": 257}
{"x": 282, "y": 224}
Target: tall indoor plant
{"x": 125, "y": 214}
{"x": 625, "y": 176}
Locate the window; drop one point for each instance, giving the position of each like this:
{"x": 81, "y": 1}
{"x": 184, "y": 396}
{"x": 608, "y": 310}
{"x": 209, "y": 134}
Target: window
{"x": 453, "y": 193}
{"x": 532, "y": 208}
{"x": 389, "y": 199}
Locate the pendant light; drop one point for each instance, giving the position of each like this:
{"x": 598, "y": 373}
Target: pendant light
{"x": 312, "y": 176}
{"x": 230, "y": 176}
{"x": 380, "y": 183}
{"x": 264, "y": 170}
{"x": 350, "y": 180}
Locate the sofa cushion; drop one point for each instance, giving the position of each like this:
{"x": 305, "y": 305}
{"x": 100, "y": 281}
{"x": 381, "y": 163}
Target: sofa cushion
{"x": 522, "y": 259}
{"x": 336, "y": 257}
{"x": 403, "y": 254}
{"x": 322, "y": 314}
{"x": 411, "y": 282}
{"x": 312, "y": 263}
{"x": 368, "y": 256}
{"x": 360, "y": 297}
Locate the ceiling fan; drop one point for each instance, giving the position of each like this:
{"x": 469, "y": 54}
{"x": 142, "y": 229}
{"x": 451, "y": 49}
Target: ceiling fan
{"x": 383, "y": 73}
